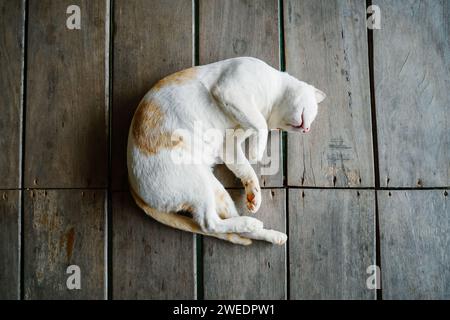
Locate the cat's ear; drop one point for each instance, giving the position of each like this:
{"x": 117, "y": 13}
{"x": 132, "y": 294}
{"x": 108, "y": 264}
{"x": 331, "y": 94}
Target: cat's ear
{"x": 320, "y": 95}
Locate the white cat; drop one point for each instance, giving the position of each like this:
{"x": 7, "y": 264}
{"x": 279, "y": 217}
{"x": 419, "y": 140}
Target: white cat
{"x": 235, "y": 93}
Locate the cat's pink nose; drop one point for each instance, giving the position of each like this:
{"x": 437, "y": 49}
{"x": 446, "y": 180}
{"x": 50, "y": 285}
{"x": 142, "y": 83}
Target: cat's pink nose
{"x": 306, "y": 130}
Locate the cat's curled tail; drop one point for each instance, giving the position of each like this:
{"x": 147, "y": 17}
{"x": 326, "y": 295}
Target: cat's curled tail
{"x": 180, "y": 222}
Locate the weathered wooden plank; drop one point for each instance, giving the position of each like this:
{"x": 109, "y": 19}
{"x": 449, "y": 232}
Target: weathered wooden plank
{"x": 67, "y": 118}
{"x": 63, "y": 228}
{"x": 11, "y": 62}
{"x": 254, "y": 272}
{"x": 241, "y": 28}
{"x": 332, "y": 242}
{"x": 411, "y": 71}
{"x": 9, "y": 244}
{"x": 151, "y": 40}
{"x": 326, "y": 45}
{"x": 150, "y": 260}
{"x": 415, "y": 244}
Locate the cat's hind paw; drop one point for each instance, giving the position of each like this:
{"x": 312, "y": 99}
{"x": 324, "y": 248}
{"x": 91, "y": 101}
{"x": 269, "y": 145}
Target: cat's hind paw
{"x": 275, "y": 237}
{"x": 279, "y": 238}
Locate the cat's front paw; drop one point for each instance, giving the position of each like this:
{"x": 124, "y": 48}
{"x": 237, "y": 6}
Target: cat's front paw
{"x": 253, "y": 195}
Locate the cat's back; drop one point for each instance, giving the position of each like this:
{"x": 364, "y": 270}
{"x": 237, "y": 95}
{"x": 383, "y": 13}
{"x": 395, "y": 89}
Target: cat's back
{"x": 185, "y": 96}
{"x": 207, "y": 75}
{"x": 181, "y": 100}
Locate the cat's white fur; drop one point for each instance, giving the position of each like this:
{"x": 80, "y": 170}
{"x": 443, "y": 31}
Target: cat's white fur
{"x": 235, "y": 93}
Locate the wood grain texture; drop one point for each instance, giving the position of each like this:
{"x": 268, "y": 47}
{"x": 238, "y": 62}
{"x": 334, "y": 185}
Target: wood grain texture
{"x": 241, "y": 28}
{"x": 411, "y": 71}
{"x": 11, "y": 64}
{"x": 252, "y": 272}
{"x": 9, "y": 244}
{"x": 63, "y": 228}
{"x": 67, "y": 119}
{"x": 332, "y": 242}
{"x": 326, "y": 46}
{"x": 152, "y": 39}
{"x": 415, "y": 244}
{"x": 150, "y": 260}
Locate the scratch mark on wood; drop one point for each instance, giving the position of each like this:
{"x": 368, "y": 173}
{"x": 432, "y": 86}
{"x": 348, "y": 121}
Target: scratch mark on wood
{"x": 403, "y": 65}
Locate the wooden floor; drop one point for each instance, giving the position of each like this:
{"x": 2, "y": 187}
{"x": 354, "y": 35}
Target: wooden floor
{"x": 367, "y": 187}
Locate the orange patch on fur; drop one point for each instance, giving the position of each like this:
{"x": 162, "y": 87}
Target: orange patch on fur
{"x": 221, "y": 204}
{"x": 250, "y": 197}
{"x": 178, "y": 78}
{"x": 147, "y": 131}
{"x": 187, "y": 207}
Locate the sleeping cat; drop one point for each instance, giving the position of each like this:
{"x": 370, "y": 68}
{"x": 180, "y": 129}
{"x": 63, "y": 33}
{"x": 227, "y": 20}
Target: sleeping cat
{"x": 243, "y": 93}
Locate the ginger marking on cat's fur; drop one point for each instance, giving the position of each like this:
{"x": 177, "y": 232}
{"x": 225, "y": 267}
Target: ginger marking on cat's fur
{"x": 222, "y": 204}
{"x": 147, "y": 130}
{"x": 187, "y": 208}
{"x": 184, "y": 223}
{"x": 177, "y": 78}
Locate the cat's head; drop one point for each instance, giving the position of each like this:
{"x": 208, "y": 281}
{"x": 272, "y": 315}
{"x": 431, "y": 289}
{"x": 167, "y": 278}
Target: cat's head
{"x": 298, "y": 108}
